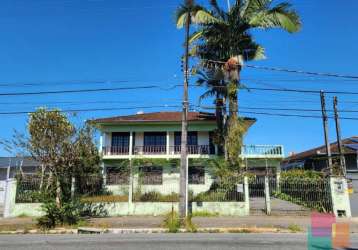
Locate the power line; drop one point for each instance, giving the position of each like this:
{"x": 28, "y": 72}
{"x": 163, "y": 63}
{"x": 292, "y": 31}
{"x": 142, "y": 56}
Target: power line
{"x": 93, "y": 109}
{"x": 287, "y": 115}
{"x": 89, "y": 90}
{"x": 303, "y": 91}
{"x": 85, "y": 102}
{"x": 292, "y": 71}
{"x": 285, "y": 109}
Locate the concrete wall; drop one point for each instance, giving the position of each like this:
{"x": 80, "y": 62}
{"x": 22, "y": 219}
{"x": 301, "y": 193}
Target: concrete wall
{"x": 340, "y": 197}
{"x": 222, "y": 208}
{"x": 27, "y": 209}
{"x": 14, "y": 209}
{"x": 170, "y": 185}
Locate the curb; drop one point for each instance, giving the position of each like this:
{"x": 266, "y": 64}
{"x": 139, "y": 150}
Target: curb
{"x": 163, "y": 230}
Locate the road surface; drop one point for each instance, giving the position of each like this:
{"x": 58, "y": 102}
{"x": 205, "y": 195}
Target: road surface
{"x": 156, "y": 241}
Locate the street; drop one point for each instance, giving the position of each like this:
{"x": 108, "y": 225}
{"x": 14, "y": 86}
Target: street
{"x": 157, "y": 241}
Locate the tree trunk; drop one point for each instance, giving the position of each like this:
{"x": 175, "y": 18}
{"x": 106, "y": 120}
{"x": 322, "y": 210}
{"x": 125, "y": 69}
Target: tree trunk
{"x": 219, "y": 122}
{"x": 58, "y": 192}
{"x": 73, "y": 186}
{"x": 49, "y": 180}
{"x": 42, "y": 176}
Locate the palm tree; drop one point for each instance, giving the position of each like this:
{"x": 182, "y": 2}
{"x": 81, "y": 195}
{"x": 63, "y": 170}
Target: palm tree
{"x": 227, "y": 38}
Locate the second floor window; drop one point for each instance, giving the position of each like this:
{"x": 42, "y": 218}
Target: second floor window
{"x": 155, "y": 138}
{"x": 192, "y": 138}
{"x": 120, "y": 143}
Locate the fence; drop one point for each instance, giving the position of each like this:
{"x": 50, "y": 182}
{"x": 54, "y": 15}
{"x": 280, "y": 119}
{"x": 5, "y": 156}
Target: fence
{"x": 144, "y": 193}
{"x": 290, "y": 195}
{"x": 310, "y": 193}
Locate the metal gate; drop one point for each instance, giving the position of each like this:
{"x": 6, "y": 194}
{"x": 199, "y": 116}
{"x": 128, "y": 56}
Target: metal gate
{"x": 287, "y": 196}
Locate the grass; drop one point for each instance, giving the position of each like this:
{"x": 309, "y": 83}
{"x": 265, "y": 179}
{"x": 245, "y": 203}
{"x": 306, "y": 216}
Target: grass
{"x": 155, "y": 196}
{"x": 241, "y": 231}
{"x": 106, "y": 198}
{"x": 190, "y": 226}
{"x": 294, "y": 228}
{"x": 23, "y": 215}
{"x": 172, "y": 222}
{"x": 204, "y": 214}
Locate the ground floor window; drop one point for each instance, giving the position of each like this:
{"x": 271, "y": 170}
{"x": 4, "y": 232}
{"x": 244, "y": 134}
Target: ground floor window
{"x": 196, "y": 175}
{"x": 117, "y": 176}
{"x": 151, "y": 175}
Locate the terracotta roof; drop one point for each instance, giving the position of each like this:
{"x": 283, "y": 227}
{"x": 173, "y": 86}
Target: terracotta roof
{"x": 161, "y": 117}
{"x": 322, "y": 150}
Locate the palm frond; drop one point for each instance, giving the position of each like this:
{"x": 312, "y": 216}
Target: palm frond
{"x": 217, "y": 10}
{"x": 203, "y": 16}
{"x": 195, "y": 36}
{"x": 281, "y": 16}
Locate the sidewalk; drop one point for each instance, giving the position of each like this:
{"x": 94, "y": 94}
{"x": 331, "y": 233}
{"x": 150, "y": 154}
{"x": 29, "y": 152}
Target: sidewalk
{"x": 255, "y": 221}
{"x": 151, "y": 222}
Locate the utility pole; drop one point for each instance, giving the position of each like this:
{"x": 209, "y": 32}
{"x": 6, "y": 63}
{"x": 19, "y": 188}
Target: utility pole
{"x": 183, "y": 197}
{"x": 339, "y": 138}
{"x": 325, "y": 128}
{"x": 228, "y": 5}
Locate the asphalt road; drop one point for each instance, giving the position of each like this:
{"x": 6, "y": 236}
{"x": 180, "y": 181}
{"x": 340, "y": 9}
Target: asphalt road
{"x": 156, "y": 241}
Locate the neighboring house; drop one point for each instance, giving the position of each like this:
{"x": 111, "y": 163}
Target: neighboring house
{"x": 316, "y": 158}
{"x": 10, "y": 165}
{"x": 157, "y": 136}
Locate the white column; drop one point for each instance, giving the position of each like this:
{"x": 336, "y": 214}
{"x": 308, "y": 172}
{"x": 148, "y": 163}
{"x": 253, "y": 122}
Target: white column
{"x": 100, "y": 143}
{"x": 267, "y": 196}
{"x": 131, "y": 143}
{"x": 168, "y": 144}
{"x": 104, "y": 174}
{"x": 10, "y": 197}
{"x": 247, "y": 197}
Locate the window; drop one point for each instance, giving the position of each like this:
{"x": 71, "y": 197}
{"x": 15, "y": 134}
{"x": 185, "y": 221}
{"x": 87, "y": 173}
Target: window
{"x": 151, "y": 175}
{"x": 120, "y": 139}
{"x": 155, "y": 138}
{"x": 117, "y": 176}
{"x": 196, "y": 175}
{"x": 192, "y": 138}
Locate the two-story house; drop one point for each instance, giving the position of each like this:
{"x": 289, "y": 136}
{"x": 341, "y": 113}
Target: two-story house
{"x": 157, "y": 136}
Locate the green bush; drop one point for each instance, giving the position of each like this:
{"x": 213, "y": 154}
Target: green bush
{"x": 155, "y": 196}
{"x": 172, "y": 222}
{"x": 299, "y": 174}
{"x": 70, "y": 213}
{"x": 67, "y": 214}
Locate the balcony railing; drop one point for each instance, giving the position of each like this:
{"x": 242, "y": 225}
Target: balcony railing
{"x": 150, "y": 150}
{"x": 115, "y": 150}
{"x": 157, "y": 150}
{"x": 270, "y": 151}
{"x": 192, "y": 150}
{"x": 262, "y": 151}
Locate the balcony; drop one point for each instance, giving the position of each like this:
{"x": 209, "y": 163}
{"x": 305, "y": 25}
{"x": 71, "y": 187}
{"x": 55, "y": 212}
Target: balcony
{"x": 157, "y": 150}
{"x": 262, "y": 151}
{"x": 248, "y": 151}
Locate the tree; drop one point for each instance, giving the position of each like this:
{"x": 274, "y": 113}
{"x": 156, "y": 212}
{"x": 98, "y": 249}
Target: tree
{"x": 63, "y": 150}
{"x": 227, "y": 37}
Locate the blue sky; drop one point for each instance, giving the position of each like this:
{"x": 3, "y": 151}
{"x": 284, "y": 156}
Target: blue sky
{"x": 70, "y": 44}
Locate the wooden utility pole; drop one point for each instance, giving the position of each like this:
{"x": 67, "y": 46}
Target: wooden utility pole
{"x": 325, "y": 128}
{"x": 183, "y": 197}
{"x": 339, "y": 138}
